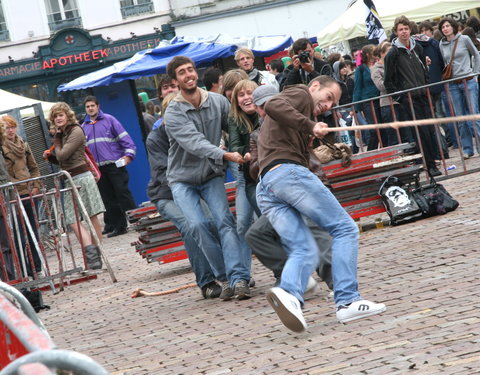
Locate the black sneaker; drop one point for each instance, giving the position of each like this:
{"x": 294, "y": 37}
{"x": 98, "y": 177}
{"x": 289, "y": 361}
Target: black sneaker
{"x": 242, "y": 290}
{"x": 227, "y": 292}
{"x": 434, "y": 172}
{"x": 211, "y": 290}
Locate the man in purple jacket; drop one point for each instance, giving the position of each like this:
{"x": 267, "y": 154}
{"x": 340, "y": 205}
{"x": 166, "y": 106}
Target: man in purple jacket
{"x": 111, "y": 146}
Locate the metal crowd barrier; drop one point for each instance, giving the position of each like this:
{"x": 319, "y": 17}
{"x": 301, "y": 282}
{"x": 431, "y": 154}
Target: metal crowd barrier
{"x": 37, "y": 247}
{"x": 25, "y": 345}
{"x": 436, "y": 107}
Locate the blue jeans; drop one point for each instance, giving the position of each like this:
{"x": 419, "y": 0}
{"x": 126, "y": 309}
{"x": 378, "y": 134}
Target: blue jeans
{"x": 227, "y": 256}
{"x": 461, "y": 107}
{"x": 243, "y": 208}
{"x": 284, "y": 195}
{"x": 200, "y": 266}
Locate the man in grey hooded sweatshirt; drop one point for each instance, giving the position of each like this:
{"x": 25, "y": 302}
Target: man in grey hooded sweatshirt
{"x": 194, "y": 121}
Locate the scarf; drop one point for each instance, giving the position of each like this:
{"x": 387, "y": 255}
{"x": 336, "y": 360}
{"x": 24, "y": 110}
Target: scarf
{"x": 17, "y": 146}
{"x": 254, "y": 75}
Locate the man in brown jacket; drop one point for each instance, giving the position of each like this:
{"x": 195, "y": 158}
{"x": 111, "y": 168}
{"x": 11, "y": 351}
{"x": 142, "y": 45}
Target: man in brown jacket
{"x": 287, "y": 190}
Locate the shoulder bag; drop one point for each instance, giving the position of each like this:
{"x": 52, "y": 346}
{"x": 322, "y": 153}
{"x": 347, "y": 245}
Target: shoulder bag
{"x": 92, "y": 164}
{"x": 433, "y": 198}
{"x": 447, "y": 72}
{"x": 397, "y": 199}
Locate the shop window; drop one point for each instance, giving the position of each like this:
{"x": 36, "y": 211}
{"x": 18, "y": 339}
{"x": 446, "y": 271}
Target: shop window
{"x": 62, "y": 14}
{"x": 3, "y": 25}
{"x": 135, "y": 7}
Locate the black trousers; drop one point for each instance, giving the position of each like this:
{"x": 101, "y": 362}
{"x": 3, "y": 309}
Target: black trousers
{"x": 31, "y": 218}
{"x": 267, "y": 247}
{"x": 7, "y": 263}
{"x": 116, "y": 196}
{"x": 427, "y": 133}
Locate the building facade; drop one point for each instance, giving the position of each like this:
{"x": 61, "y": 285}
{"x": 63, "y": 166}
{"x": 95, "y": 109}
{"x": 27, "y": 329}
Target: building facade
{"x": 297, "y": 18}
{"x": 44, "y": 43}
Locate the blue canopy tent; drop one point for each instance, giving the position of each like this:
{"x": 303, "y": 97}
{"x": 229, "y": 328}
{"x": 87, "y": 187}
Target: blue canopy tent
{"x": 150, "y": 62}
{"x": 154, "y": 61}
{"x": 115, "y": 90}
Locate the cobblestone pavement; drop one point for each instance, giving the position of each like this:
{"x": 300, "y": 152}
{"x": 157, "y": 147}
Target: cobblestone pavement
{"x": 426, "y": 272}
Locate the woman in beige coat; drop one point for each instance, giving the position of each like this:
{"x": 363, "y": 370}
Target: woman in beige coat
{"x": 21, "y": 165}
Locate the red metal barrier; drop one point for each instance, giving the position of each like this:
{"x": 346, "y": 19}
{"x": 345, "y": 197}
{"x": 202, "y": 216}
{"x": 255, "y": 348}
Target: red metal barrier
{"x": 37, "y": 247}
{"x": 18, "y": 334}
{"x": 26, "y": 347}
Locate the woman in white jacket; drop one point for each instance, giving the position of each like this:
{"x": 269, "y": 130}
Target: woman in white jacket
{"x": 466, "y": 61}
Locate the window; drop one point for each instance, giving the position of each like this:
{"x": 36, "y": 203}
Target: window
{"x": 3, "y": 26}
{"x": 62, "y": 13}
{"x": 135, "y": 7}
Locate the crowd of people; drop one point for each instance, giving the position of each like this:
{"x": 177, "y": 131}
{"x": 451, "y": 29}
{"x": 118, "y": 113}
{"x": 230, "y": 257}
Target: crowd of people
{"x": 261, "y": 125}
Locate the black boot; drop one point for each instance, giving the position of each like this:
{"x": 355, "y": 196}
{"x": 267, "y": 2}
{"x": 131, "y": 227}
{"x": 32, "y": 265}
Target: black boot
{"x": 94, "y": 260}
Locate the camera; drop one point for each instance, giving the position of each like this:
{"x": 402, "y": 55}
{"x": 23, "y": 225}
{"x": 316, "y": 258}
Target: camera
{"x": 304, "y": 57}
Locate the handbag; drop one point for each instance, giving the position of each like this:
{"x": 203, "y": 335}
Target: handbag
{"x": 397, "y": 199}
{"x": 330, "y": 151}
{"x": 92, "y": 164}
{"x": 447, "y": 72}
{"x": 433, "y": 199}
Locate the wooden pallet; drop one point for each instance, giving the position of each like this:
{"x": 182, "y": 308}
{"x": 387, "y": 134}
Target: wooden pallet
{"x": 159, "y": 239}
{"x": 356, "y": 187}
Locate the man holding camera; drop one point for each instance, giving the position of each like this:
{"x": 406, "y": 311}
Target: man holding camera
{"x": 305, "y": 67}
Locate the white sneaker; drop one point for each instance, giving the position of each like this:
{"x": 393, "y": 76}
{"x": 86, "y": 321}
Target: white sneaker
{"x": 312, "y": 287}
{"x": 359, "y": 309}
{"x": 287, "y": 308}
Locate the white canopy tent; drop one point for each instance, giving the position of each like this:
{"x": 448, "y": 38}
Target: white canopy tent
{"x": 351, "y": 24}
{"x": 9, "y": 100}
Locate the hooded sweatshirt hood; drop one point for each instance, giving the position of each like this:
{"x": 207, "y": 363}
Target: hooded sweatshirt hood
{"x": 336, "y": 71}
{"x": 396, "y": 42}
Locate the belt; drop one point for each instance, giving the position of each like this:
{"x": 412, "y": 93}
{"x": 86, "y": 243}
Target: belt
{"x": 269, "y": 169}
{"x": 275, "y": 164}
{"x": 458, "y": 81}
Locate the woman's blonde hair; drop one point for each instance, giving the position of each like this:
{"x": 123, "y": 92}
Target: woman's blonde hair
{"x": 231, "y": 78}
{"x": 166, "y": 101}
{"x": 236, "y": 112}
{"x": 65, "y": 108}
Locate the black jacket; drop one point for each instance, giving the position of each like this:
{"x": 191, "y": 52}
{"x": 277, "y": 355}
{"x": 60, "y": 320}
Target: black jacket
{"x": 431, "y": 49}
{"x": 299, "y": 76}
{"x": 157, "y": 147}
{"x": 405, "y": 69}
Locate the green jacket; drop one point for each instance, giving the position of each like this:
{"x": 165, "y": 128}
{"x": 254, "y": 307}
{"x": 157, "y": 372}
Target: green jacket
{"x": 239, "y": 136}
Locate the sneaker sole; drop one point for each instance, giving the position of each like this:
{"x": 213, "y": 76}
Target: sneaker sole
{"x": 367, "y": 314}
{"x": 241, "y": 296}
{"x": 288, "y": 319}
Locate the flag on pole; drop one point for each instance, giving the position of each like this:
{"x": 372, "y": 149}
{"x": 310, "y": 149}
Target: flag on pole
{"x": 375, "y": 31}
